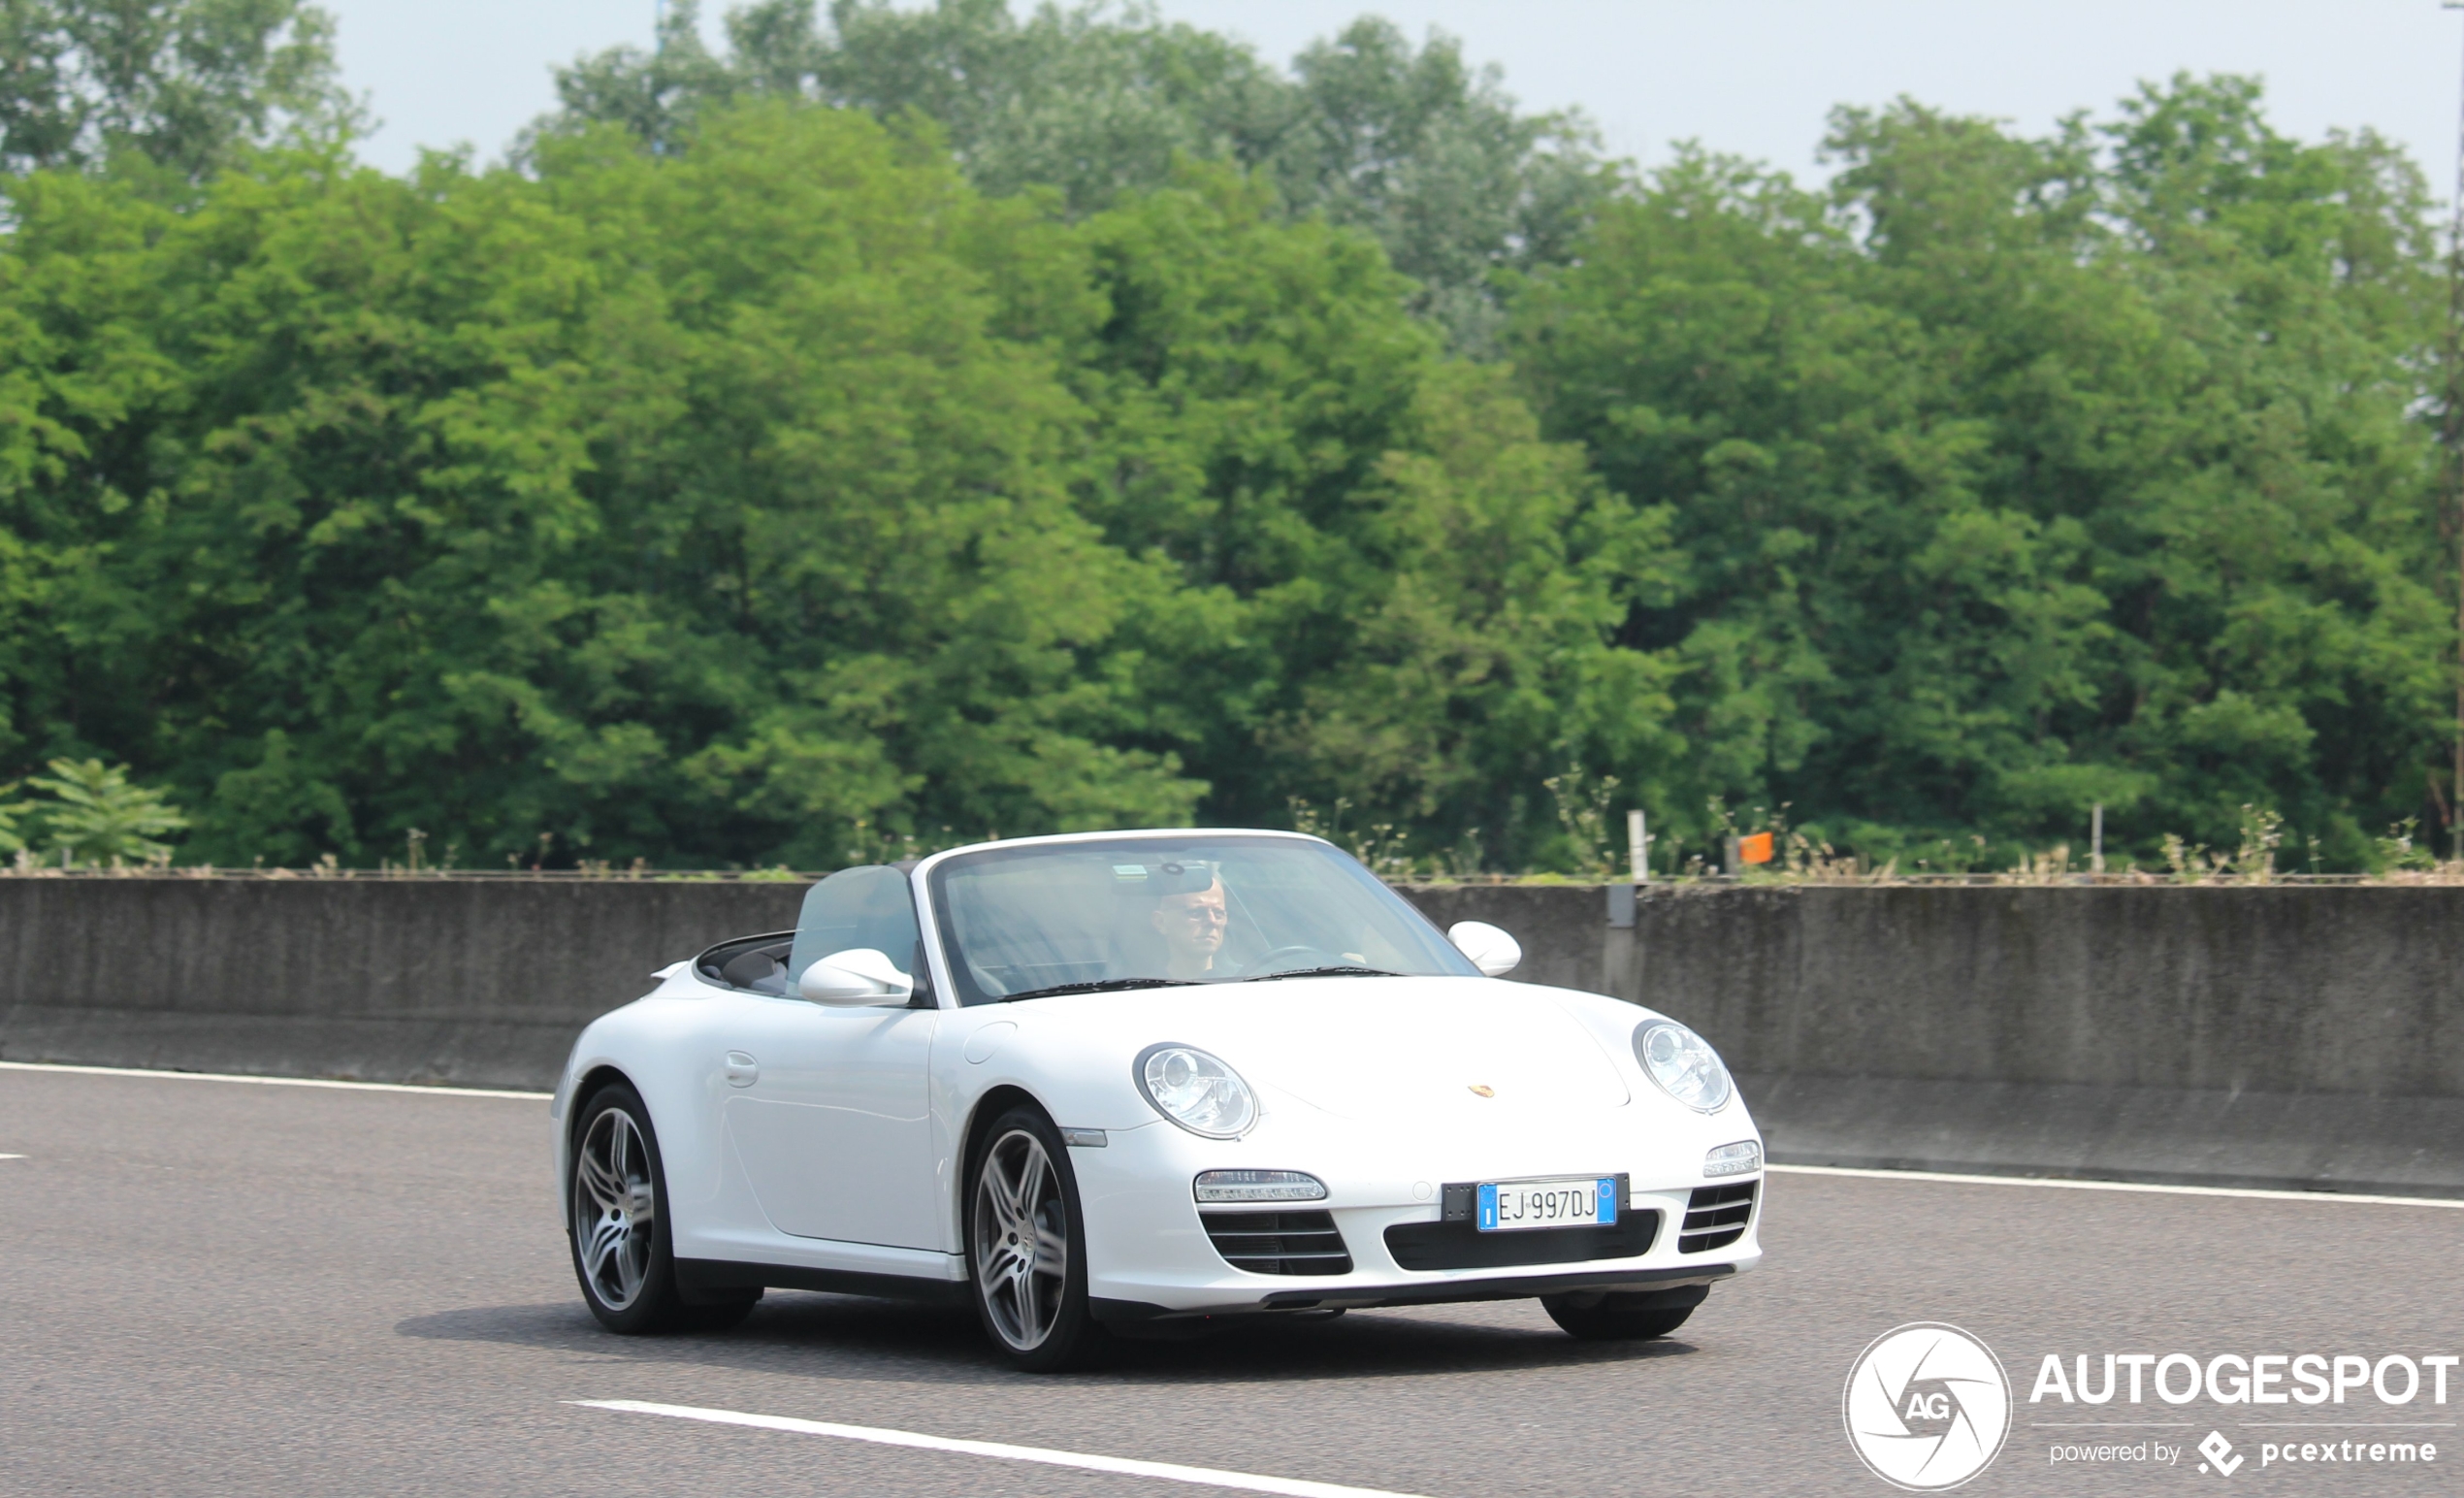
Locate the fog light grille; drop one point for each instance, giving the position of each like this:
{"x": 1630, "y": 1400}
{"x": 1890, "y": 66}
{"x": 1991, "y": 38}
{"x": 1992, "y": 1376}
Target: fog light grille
{"x": 1279, "y": 1242}
{"x": 1715, "y": 1217}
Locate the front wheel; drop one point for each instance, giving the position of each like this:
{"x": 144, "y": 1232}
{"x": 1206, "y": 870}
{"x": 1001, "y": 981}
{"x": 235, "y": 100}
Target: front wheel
{"x": 616, "y": 1221}
{"x": 1026, "y": 1245}
{"x": 1613, "y": 1316}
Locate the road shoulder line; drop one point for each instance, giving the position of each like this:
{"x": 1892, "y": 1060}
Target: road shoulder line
{"x": 2059, "y": 1183}
{"x": 1170, "y": 1472}
{"x": 324, "y": 1082}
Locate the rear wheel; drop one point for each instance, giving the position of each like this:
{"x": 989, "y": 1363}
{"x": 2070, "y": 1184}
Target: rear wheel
{"x": 1026, "y": 1245}
{"x": 1613, "y": 1316}
{"x": 617, "y": 1223}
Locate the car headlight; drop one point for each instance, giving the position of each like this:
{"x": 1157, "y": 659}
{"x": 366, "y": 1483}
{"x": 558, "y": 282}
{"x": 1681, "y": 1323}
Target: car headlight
{"x": 1196, "y": 1091}
{"x": 1684, "y": 1064}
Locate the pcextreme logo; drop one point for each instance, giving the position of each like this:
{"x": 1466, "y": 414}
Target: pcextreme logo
{"x": 1926, "y": 1407}
{"x": 2218, "y": 1452}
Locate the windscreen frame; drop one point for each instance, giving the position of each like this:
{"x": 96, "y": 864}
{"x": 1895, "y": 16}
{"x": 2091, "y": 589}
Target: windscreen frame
{"x": 965, "y": 992}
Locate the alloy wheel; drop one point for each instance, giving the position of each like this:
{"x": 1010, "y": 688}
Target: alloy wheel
{"x": 615, "y": 1208}
{"x": 1022, "y": 1240}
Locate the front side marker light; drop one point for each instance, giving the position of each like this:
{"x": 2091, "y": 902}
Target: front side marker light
{"x": 1217, "y": 1185}
{"x": 1741, "y": 1158}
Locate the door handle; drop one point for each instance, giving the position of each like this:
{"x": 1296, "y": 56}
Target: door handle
{"x": 742, "y": 1069}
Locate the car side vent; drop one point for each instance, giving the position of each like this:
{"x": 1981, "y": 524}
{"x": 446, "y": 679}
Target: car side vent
{"x": 1715, "y": 1217}
{"x": 1279, "y": 1242}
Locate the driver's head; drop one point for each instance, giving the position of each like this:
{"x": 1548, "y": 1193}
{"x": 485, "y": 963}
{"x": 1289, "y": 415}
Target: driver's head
{"x": 1191, "y": 925}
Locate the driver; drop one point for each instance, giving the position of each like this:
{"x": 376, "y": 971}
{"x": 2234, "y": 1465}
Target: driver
{"x": 1193, "y": 925}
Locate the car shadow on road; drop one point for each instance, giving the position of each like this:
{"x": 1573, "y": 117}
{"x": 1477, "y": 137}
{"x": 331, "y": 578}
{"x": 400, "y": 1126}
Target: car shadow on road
{"x": 848, "y": 1337}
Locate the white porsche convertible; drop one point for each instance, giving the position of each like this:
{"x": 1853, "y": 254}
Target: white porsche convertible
{"x": 1119, "y": 1083}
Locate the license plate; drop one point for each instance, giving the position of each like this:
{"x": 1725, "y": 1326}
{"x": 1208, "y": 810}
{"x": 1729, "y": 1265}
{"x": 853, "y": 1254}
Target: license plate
{"x": 1510, "y": 1206}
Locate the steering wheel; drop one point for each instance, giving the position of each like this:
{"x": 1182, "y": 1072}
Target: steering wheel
{"x": 1267, "y": 964}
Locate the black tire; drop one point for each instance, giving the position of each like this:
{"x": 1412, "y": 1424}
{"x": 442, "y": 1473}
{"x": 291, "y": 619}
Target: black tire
{"x": 626, "y": 1265}
{"x": 1626, "y": 1316}
{"x": 1038, "y": 1319}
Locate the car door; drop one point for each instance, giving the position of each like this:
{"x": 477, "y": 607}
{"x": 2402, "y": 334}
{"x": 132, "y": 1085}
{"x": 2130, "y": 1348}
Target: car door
{"x": 829, "y": 1108}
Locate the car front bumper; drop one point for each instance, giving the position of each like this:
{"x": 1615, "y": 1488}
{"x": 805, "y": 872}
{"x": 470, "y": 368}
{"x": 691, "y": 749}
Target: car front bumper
{"x": 1150, "y": 1257}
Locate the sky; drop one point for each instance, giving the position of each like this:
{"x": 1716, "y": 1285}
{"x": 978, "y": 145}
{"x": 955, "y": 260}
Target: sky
{"x": 1753, "y": 78}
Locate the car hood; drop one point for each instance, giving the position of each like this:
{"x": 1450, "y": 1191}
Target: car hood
{"x": 1434, "y": 1049}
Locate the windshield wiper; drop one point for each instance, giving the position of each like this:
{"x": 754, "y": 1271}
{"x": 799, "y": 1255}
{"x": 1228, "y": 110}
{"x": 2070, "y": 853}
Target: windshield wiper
{"x": 1098, "y": 986}
{"x": 1346, "y": 971}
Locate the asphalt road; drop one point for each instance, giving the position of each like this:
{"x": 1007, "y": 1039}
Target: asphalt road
{"x": 215, "y": 1288}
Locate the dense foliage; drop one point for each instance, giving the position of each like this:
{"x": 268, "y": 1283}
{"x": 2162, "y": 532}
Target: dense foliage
{"x": 934, "y": 423}
{"x": 166, "y": 88}
{"x": 2016, "y": 476}
{"x": 1412, "y": 146}
{"x": 724, "y": 504}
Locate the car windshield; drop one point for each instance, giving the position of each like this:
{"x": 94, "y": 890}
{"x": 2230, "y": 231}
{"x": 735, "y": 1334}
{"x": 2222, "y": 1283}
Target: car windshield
{"x": 1141, "y": 912}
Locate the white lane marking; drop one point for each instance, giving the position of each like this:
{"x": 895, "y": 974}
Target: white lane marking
{"x": 12, "y": 1156}
{"x": 1170, "y": 1472}
{"x": 2336, "y": 1197}
{"x": 216, "y": 1075}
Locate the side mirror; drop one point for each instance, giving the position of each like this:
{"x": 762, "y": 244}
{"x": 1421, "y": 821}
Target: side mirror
{"x": 854, "y": 978}
{"x": 1491, "y": 951}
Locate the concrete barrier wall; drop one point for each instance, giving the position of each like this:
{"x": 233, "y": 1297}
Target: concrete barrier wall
{"x": 2282, "y": 1036}
{"x": 2295, "y": 1036}
{"x": 477, "y": 982}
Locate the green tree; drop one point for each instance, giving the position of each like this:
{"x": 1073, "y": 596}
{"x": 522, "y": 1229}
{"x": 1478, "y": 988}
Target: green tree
{"x": 1423, "y": 151}
{"x": 98, "y": 816}
{"x": 778, "y": 494}
{"x": 1393, "y": 593}
{"x": 2016, "y": 476}
{"x": 696, "y": 509}
{"x": 781, "y": 492}
{"x": 1431, "y": 156}
{"x": 1477, "y": 652}
{"x": 179, "y": 84}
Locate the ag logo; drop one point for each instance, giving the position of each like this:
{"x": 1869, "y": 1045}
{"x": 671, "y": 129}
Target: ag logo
{"x": 1926, "y": 1407}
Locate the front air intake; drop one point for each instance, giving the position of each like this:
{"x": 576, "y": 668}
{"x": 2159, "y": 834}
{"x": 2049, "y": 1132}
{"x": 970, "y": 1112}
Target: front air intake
{"x": 1715, "y": 1217}
{"x": 1279, "y": 1242}
{"x": 1461, "y": 1245}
